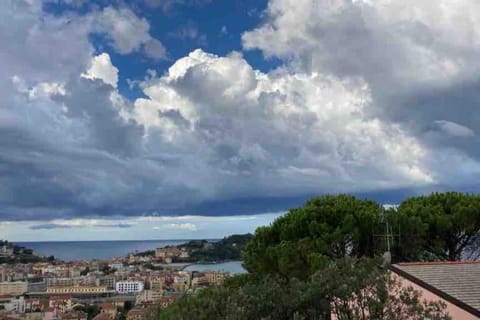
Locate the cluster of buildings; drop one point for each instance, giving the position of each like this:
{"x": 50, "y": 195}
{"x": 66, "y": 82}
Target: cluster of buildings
{"x": 171, "y": 254}
{"x": 129, "y": 286}
{"x": 6, "y": 250}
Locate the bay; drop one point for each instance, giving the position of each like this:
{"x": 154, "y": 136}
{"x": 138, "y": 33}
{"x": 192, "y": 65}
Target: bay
{"x": 88, "y": 250}
{"x": 234, "y": 267}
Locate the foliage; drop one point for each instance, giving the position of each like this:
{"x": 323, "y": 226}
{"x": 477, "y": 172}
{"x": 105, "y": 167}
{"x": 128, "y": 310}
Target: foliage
{"x": 304, "y": 239}
{"x": 91, "y": 310}
{"x": 266, "y": 298}
{"x": 85, "y": 271}
{"x": 148, "y": 253}
{"x": 21, "y": 255}
{"x": 348, "y": 288}
{"x": 319, "y": 260}
{"x": 360, "y": 290}
{"x": 106, "y": 269}
{"x": 151, "y": 266}
{"x": 229, "y": 248}
{"x": 121, "y": 313}
{"x": 441, "y": 226}
{"x": 127, "y": 306}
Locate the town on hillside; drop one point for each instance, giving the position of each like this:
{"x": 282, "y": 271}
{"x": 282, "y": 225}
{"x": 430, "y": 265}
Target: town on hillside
{"x": 35, "y": 287}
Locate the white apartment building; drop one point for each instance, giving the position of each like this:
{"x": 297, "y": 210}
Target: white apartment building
{"x": 129, "y": 286}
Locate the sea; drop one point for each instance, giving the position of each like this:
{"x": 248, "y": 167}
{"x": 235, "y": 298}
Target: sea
{"x": 89, "y": 250}
{"x": 234, "y": 267}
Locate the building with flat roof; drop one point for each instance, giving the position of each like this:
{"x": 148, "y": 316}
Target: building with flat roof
{"x": 13, "y": 288}
{"x": 129, "y": 286}
{"x": 76, "y": 289}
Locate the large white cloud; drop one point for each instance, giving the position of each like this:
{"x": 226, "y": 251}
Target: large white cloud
{"x": 101, "y": 68}
{"x": 418, "y": 42}
{"x": 127, "y": 32}
{"x": 352, "y": 109}
{"x": 419, "y": 59}
{"x": 280, "y": 132}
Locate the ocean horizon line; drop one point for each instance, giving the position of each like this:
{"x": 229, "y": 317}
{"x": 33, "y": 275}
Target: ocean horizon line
{"x": 115, "y": 240}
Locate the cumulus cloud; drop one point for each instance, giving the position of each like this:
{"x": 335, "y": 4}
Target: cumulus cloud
{"x": 362, "y": 103}
{"x": 127, "y": 32}
{"x": 414, "y": 41}
{"x": 304, "y": 130}
{"x": 101, "y": 68}
{"x": 417, "y": 58}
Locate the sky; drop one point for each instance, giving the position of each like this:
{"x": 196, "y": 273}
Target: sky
{"x": 174, "y": 119}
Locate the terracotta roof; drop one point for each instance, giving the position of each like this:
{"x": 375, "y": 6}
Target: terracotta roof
{"x": 103, "y": 316}
{"x": 77, "y": 315}
{"x": 456, "y": 282}
{"x": 107, "y": 305}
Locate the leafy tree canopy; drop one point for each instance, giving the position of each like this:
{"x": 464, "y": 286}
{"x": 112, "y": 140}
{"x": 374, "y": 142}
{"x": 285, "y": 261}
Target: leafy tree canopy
{"x": 322, "y": 259}
{"x": 349, "y": 288}
{"x": 305, "y": 238}
{"x": 441, "y": 226}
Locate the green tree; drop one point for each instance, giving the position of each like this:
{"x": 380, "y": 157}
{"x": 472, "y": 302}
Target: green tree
{"x": 304, "y": 239}
{"x": 106, "y": 269}
{"x": 91, "y": 310}
{"x": 441, "y": 226}
{"x": 349, "y": 288}
{"x": 85, "y": 271}
{"x": 359, "y": 289}
{"x": 267, "y": 298}
{"x": 319, "y": 260}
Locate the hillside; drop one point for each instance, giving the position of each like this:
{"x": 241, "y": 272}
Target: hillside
{"x": 11, "y": 253}
{"x": 229, "y": 248}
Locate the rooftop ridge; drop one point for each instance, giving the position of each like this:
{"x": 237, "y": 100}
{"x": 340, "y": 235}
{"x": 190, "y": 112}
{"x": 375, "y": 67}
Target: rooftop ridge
{"x": 428, "y": 263}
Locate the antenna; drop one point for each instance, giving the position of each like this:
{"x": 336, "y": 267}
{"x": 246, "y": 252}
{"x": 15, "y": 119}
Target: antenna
{"x": 389, "y": 237}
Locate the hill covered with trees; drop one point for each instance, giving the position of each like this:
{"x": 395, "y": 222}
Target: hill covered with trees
{"x": 11, "y": 253}
{"x": 229, "y": 248}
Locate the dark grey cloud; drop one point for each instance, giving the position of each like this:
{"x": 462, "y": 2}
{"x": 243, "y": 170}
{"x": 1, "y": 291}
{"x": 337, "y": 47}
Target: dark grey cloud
{"x": 175, "y": 116}
{"x": 90, "y": 101}
{"x": 65, "y": 149}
